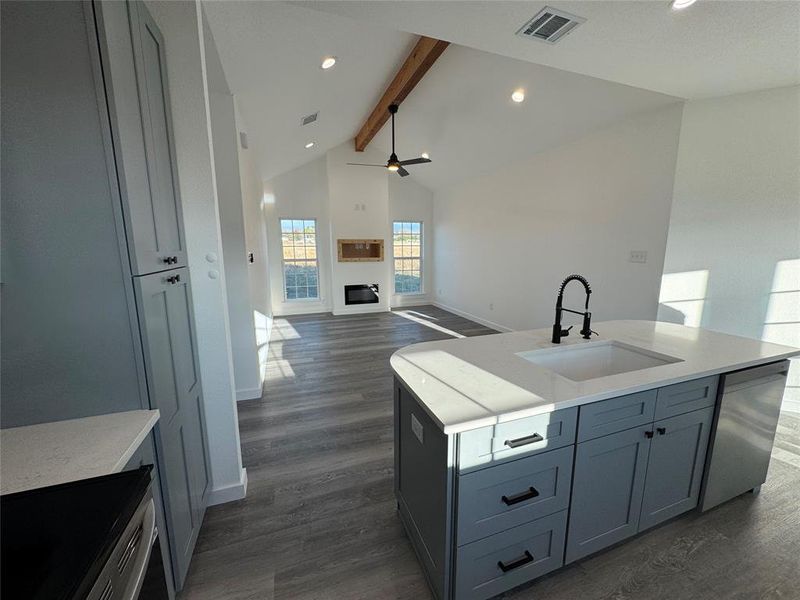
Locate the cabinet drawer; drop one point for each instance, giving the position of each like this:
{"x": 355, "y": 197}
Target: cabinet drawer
{"x": 500, "y": 443}
{"x": 616, "y": 414}
{"x": 505, "y": 560}
{"x": 686, "y": 397}
{"x": 504, "y": 496}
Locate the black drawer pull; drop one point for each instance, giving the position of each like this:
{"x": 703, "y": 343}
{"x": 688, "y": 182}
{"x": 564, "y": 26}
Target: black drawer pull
{"x": 521, "y": 497}
{"x": 661, "y": 430}
{"x": 524, "y": 441}
{"x": 522, "y": 560}
{"x": 648, "y": 434}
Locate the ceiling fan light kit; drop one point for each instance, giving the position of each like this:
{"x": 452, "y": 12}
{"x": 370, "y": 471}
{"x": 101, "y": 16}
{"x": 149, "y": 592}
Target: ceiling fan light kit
{"x": 394, "y": 164}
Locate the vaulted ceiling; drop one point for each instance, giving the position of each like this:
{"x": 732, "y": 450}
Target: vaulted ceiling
{"x": 627, "y": 58}
{"x": 271, "y": 53}
{"x": 713, "y": 48}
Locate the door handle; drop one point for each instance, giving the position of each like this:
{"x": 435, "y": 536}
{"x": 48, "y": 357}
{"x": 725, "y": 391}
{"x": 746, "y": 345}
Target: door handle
{"x": 531, "y": 492}
{"x": 661, "y": 430}
{"x": 522, "y": 560}
{"x": 524, "y": 441}
{"x": 648, "y": 434}
{"x": 174, "y": 279}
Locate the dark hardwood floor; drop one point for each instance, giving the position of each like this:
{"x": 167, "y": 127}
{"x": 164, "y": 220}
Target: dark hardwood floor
{"x": 319, "y": 520}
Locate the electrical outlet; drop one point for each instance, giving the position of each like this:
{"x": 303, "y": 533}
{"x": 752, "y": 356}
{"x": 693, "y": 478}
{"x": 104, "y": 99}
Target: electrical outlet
{"x": 491, "y": 305}
{"x": 439, "y": 291}
{"x": 638, "y": 256}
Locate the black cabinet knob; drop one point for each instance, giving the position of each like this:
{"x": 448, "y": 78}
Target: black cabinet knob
{"x": 661, "y": 430}
{"x": 648, "y": 434}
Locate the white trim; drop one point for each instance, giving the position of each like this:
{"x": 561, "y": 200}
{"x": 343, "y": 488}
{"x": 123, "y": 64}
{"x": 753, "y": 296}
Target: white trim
{"x": 403, "y": 300}
{"x": 248, "y": 394}
{"x": 359, "y": 310}
{"x": 472, "y": 317}
{"x": 229, "y": 493}
{"x": 422, "y": 259}
{"x": 318, "y": 297}
{"x": 289, "y": 309}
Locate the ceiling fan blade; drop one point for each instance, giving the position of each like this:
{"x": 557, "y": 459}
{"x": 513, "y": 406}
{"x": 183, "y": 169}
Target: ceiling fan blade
{"x": 366, "y": 165}
{"x": 415, "y": 161}
{"x": 402, "y": 172}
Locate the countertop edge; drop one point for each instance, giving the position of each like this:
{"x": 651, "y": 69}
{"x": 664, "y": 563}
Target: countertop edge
{"x": 154, "y": 416}
{"x": 545, "y": 407}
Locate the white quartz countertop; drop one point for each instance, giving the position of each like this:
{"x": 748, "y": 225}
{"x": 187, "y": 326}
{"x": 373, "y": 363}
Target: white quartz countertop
{"x": 36, "y": 456}
{"x": 478, "y": 381}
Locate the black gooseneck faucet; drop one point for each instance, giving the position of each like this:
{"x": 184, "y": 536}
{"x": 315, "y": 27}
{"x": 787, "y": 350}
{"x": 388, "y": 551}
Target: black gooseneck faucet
{"x": 586, "y": 332}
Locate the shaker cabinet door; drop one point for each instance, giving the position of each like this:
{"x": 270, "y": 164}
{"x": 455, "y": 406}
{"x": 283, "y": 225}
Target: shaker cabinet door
{"x": 165, "y": 315}
{"x": 607, "y": 489}
{"x": 675, "y": 466}
{"x": 134, "y": 58}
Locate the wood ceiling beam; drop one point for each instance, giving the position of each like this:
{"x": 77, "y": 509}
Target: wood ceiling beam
{"x": 422, "y": 57}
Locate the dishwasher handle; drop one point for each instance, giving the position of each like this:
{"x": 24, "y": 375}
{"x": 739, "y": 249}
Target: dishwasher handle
{"x": 780, "y": 368}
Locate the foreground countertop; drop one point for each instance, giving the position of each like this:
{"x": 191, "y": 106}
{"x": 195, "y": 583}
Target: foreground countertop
{"x": 473, "y": 382}
{"x": 36, "y": 456}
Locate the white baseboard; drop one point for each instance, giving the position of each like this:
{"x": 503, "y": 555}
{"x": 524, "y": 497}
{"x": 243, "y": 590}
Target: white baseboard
{"x": 248, "y": 394}
{"x": 360, "y": 310}
{"x": 401, "y": 301}
{"x": 301, "y": 308}
{"x": 229, "y": 493}
{"x": 471, "y": 317}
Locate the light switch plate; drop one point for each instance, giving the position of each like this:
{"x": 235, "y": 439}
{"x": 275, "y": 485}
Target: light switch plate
{"x": 416, "y": 427}
{"x": 638, "y": 256}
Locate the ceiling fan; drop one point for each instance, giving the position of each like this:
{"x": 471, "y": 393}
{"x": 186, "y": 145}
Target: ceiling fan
{"x": 394, "y": 164}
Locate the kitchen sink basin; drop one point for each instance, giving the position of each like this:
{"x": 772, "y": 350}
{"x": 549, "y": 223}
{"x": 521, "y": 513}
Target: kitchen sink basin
{"x": 596, "y": 359}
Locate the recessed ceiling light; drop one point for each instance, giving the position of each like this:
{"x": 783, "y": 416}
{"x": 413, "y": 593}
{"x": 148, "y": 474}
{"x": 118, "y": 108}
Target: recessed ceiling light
{"x": 681, "y": 4}
{"x": 424, "y": 155}
{"x": 329, "y": 61}
{"x": 310, "y": 145}
{"x": 518, "y": 95}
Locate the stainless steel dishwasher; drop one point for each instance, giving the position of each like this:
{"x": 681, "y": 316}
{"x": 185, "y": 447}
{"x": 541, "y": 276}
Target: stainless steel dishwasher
{"x": 748, "y": 408}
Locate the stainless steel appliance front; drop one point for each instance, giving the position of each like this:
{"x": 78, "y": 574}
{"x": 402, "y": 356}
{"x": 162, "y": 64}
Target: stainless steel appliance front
{"x": 748, "y": 410}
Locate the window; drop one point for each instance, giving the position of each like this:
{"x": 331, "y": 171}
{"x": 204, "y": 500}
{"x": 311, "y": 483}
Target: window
{"x": 300, "y": 266}
{"x": 407, "y": 252}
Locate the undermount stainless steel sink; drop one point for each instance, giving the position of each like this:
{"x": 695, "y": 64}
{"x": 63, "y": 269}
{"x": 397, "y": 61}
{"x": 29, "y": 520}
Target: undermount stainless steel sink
{"x": 582, "y": 362}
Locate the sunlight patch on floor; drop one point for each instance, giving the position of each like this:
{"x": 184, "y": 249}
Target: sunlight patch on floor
{"x": 412, "y": 316}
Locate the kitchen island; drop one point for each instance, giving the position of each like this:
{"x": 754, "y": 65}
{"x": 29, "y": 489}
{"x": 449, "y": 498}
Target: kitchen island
{"x": 515, "y": 456}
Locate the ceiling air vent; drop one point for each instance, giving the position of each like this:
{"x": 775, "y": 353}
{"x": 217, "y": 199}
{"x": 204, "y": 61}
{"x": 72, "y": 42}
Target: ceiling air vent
{"x": 308, "y": 119}
{"x": 550, "y": 25}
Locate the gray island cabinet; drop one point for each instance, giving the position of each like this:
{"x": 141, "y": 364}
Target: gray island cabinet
{"x": 491, "y": 508}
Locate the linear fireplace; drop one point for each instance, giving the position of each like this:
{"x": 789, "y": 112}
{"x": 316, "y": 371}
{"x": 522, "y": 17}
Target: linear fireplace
{"x": 361, "y": 294}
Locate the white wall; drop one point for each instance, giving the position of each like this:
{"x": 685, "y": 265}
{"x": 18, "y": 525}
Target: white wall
{"x": 504, "y": 241}
{"x": 255, "y": 235}
{"x": 348, "y": 202}
{"x": 358, "y": 209}
{"x": 229, "y": 193}
{"x": 733, "y": 254}
{"x": 300, "y": 193}
{"x": 409, "y": 201}
{"x": 181, "y": 24}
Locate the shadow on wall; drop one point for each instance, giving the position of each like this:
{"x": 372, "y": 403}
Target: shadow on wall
{"x": 683, "y": 297}
{"x": 782, "y": 323}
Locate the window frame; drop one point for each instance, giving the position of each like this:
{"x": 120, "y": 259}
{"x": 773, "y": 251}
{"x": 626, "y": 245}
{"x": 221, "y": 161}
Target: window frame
{"x": 421, "y": 258}
{"x": 286, "y": 298}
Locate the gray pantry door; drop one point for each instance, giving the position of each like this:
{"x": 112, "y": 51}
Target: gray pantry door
{"x": 675, "y": 466}
{"x": 607, "y": 490}
{"x": 154, "y": 208}
{"x": 173, "y": 380}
